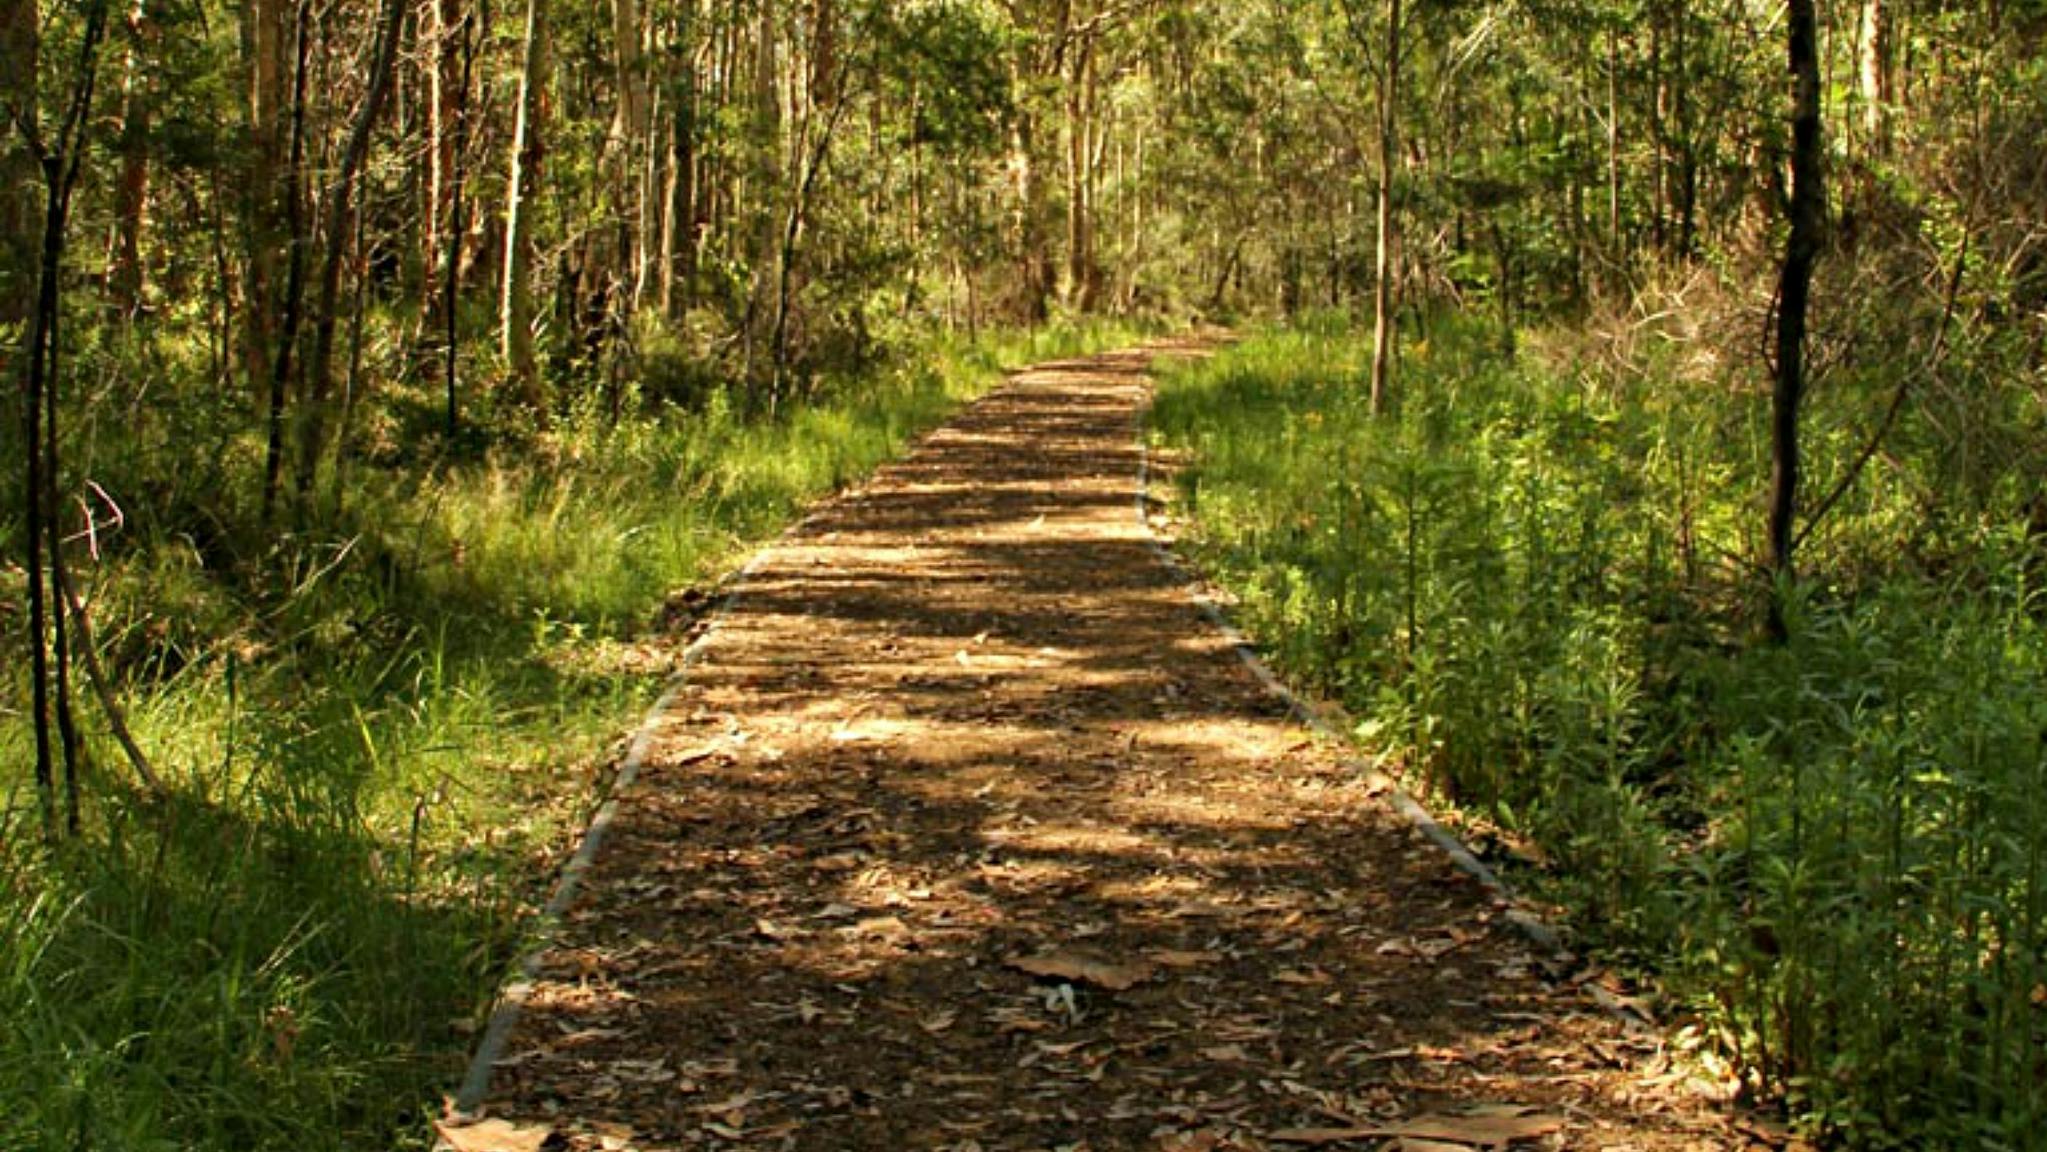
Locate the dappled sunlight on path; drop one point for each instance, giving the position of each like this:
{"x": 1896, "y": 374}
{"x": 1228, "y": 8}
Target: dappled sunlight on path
{"x": 969, "y": 832}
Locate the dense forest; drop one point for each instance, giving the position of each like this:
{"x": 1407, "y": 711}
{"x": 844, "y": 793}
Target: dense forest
{"x": 1636, "y": 425}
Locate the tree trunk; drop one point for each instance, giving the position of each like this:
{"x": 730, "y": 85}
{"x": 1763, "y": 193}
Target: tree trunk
{"x": 295, "y": 274}
{"x": 266, "y": 47}
{"x": 1808, "y": 210}
{"x": 1615, "y": 245}
{"x": 1383, "y": 302}
{"x": 1034, "y": 271}
{"x": 444, "y": 84}
{"x": 49, "y": 634}
{"x": 1873, "y": 75}
{"x": 515, "y": 300}
{"x": 631, "y": 136}
{"x": 679, "y": 230}
{"x": 19, "y": 215}
{"x": 337, "y": 215}
{"x": 131, "y": 187}
{"x": 1686, "y": 192}
{"x": 458, "y": 229}
{"x": 20, "y": 291}
{"x": 1080, "y": 275}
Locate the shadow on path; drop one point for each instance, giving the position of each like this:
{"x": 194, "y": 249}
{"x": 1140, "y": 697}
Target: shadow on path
{"x": 965, "y": 718}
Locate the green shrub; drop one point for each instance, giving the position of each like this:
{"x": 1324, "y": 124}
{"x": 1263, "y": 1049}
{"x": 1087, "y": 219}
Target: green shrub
{"x": 1527, "y": 587}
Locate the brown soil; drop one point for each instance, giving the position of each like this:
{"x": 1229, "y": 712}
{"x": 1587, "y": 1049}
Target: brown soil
{"x": 966, "y": 719}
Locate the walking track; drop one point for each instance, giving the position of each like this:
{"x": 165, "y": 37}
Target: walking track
{"x": 969, "y": 832}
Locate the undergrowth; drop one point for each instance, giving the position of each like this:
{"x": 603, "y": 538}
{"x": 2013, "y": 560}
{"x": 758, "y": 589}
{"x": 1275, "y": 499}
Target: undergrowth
{"x": 379, "y": 730}
{"x": 1530, "y": 588}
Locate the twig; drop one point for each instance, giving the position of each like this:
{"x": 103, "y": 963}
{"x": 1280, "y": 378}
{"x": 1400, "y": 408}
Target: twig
{"x": 117, "y": 719}
{"x": 1904, "y": 389}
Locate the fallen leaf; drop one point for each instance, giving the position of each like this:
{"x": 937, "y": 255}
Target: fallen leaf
{"x": 861, "y": 731}
{"x": 1417, "y": 1144}
{"x": 1319, "y": 1136}
{"x": 884, "y": 928}
{"x": 493, "y": 1136}
{"x": 1169, "y": 958}
{"x": 1062, "y": 965}
{"x": 1487, "y": 1128}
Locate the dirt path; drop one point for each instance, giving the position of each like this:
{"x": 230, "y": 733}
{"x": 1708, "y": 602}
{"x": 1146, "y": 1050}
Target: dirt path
{"x": 966, "y": 719}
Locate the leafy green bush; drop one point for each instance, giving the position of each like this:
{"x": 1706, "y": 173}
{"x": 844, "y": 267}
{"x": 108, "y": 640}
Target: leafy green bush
{"x": 1527, "y": 587}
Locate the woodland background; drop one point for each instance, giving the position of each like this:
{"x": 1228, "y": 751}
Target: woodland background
{"x": 393, "y": 377}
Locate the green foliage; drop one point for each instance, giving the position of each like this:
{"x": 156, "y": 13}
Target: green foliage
{"x": 379, "y": 729}
{"x": 1526, "y": 588}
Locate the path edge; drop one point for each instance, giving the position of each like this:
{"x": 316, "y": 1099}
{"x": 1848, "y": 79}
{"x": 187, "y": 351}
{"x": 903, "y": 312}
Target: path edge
{"x": 513, "y": 994}
{"x": 1530, "y": 924}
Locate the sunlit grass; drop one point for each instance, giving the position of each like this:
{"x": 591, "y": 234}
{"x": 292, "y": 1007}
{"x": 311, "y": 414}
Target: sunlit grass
{"x": 1529, "y": 589}
{"x": 380, "y": 728}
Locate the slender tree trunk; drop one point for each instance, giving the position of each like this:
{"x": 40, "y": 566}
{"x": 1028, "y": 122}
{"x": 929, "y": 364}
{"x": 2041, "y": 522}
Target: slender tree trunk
{"x": 631, "y": 134}
{"x": 49, "y": 633}
{"x": 337, "y": 215}
{"x": 1808, "y": 210}
{"x": 1615, "y": 244}
{"x": 764, "y": 183}
{"x": 19, "y": 200}
{"x": 1659, "y": 134}
{"x": 21, "y": 277}
{"x": 1034, "y": 274}
{"x": 515, "y": 300}
{"x": 443, "y": 75}
{"x": 1873, "y": 75}
{"x": 458, "y": 229}
{"x": 679, "y": 235}
{"x": 266, "y": 46}
{"x": 1686, "y": 192}
{"x": 1079, "y": 122}
{"x": 131, "y": 187}
{"x": 295, "y": 274}
{"x": 1383, "y": 301}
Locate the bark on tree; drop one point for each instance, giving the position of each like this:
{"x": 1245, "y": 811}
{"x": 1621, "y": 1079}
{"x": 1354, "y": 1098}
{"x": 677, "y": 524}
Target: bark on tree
{"x": 451, "y": 279}
{"x": 679, "y": 219}
{"x": 1383, "y": 302}
{"x": 295, "y": 269}
{"x": 445, "y": 24}
{"x": 20, "y": 281}
{"x": 337, "y": 215}
{"x": 1873, "y": 75}
{"x": 1082, "y": 276}
{"x": 1807, "y": 211}
{"x": 1034, "y": 280}
{"x": 515, "y": 298}
{"x": 131, "y": 187}
{"x": 266, "y": 46}
{"x": 631, "y": 132}
{"x": 59, "y": 160}
{"x": 19, "y": 200}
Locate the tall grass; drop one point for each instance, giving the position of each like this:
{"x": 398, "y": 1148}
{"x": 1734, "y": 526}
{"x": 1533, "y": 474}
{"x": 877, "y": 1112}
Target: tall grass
{"x": 380, "y": 728}
{"x": 1528, "y": 587}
